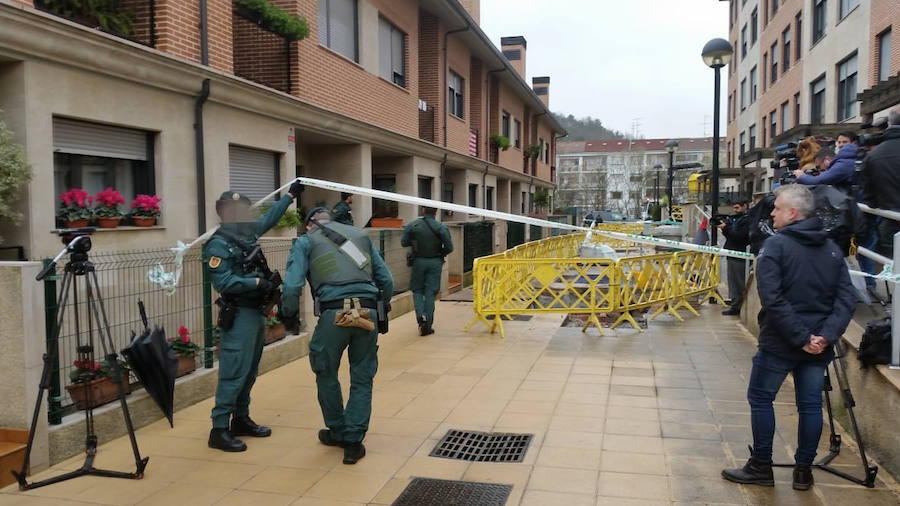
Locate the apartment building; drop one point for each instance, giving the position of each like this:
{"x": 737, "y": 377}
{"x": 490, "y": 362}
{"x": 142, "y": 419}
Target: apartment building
{"x": 815, "y": 57}
{"x": 191, "y": 98}
{"x": 620, "y": 175}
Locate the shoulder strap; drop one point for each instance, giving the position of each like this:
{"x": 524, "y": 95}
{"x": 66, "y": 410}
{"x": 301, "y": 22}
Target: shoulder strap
{"x": 235, "y": 240}
{"x": 433, "y": 231}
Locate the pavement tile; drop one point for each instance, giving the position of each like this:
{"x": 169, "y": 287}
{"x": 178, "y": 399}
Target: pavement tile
{"x": 578, "y": 458}
{"x": 637, "y": 486}
{"x": 557, "y": 479}
{"x": 545, "y": 498}
{"x": 713, "y": 489}
{"x": 635, "y": 444}
{"x": 637, "y": 463}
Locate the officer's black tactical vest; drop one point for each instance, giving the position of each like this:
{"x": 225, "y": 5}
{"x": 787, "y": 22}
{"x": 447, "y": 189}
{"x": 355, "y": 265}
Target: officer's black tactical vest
{"x": 328, "y": 265}
{"x": 428, "y": 243}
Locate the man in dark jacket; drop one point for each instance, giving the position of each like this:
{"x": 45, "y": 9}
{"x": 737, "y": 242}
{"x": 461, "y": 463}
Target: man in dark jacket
{"x": 838, "y": 174}
{"x": 736, "y": 232}
{"x": 881, "y": 181}
{"x": 807, "y": 302}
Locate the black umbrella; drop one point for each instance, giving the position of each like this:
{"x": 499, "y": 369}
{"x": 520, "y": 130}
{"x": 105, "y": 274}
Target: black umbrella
{"x": 154, "y": 363}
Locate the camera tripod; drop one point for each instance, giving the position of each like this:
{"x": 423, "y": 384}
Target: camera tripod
{"x": 78, "y": 243}
{"x": 834, "y": 449}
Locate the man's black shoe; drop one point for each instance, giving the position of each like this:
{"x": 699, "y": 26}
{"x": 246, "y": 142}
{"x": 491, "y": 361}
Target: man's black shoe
{"x": 754, "y": 472}
{"x": 353, "y": 452}
{"x": 221, "y": 439}
{"x": 803, "y": 478}
{"x": 732, "y": 311}
{"x": 244, "y": 426}
{"x": 426, "y": 331}
{"x": 327, "y": 439}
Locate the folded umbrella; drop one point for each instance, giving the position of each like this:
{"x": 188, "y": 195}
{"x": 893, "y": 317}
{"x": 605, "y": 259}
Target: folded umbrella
{"x": 154, "y": 363}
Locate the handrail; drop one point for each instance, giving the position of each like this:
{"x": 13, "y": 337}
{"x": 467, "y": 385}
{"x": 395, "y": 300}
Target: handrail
{"x": 888, "y": 267}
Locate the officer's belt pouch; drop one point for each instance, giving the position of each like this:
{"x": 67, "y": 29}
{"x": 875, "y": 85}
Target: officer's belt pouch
{"x": 227, "y": 312}
{"x": 410, "y": 259}
{"x": 353, "y": 315}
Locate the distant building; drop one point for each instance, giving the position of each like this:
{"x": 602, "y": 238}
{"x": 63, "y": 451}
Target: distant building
{"x": 619, "y": 175}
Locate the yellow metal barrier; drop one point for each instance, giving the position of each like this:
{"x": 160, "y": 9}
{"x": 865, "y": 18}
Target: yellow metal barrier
{"x": 546, "y": 277}
{"x": 677, "y": 213}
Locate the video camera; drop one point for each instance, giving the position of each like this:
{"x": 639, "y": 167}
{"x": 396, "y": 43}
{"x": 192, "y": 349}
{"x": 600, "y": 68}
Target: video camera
{"x": 874, "y": 139}
{"x": 76, "y": 240}
{"x": 787, "y": 154}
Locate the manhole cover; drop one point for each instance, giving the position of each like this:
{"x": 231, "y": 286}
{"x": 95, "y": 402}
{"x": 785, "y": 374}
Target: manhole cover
{"x": 429, "y": 491}
{"x": 482, "y": 446}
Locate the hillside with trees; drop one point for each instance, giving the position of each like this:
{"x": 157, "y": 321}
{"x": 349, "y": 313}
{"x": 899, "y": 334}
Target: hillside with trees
{"x": 586, "y": 129}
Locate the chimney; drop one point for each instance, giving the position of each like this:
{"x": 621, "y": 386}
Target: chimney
{"x": 474, "y": 9}
{"x": 541, "y": 86}
{"x": 514, "y": 51}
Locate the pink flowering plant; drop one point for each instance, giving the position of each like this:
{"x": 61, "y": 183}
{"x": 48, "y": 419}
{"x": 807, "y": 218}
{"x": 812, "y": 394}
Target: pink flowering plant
{"x": 272, "y": 318}
{"x": 76, "y": 205}
{"x": 145, "y": 206}
{"x": 107, "y": 204}
{"x": 182, "y": 344}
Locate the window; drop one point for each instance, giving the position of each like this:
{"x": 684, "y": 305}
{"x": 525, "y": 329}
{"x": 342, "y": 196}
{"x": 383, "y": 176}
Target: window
{"x": 732, "y": 9}
{"x": 774, "y": 6}
{"x": 730, "y": 107}
{"x": 774, "y": 125}
{"x": 504, "y": 125}
{"x": 819, "y": 19}
{"x": 735, "y": 60}
{"x": 846, "y": 7}
{"x": 847, "y": 89}
{"x": 391, "y": 53}
{"x": 338, "y": 27}
{"x": 796, "y": 109}
{"x": 764, "y": 132}
{"x": 785, "y": 107}
{"x": 774, "y": 61}
{"x": 743, "y": 94}
{"x": 447, "y": 194}
{"x": 489, "y": 198}
{"x": 884, "y": 56}
{"x": 817, "y": 101}
{"x": 786, "y": 50}
{"x": 754, "y": 31}
{"x": 751, "y": 132}
{"x": 765, "y": 65}
{"x": 744, "y": 42}
{"x": 616, "y": 195}
{"x": 517, "y": 133}
{"x": 94, "y": 157}
{"x": 252, "y": 172}
{"x": 799, "y": 45}
{"x": 473, "y": 195}
{"x": 743, "y": 145}
{"x": 455, "y": 94}
{"x": 753, "y": 85}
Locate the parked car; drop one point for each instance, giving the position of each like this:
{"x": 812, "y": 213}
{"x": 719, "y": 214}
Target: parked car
{"x": 602, "y": 216}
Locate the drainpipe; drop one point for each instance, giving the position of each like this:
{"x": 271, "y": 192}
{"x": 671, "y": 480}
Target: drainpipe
{"x": 441, "y": 179}
{"x": 447, "y": 75}
{"x": 530, "y": 185}
{"x": 484, "y": 189}
{"x": 204, "y": 34}
{"x": 201, "y": 165}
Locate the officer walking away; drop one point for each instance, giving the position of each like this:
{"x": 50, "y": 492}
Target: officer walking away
{"x": 735, "y": 228}
{"x": 350, "y": 285}
{"x": 248, "y": 289}
{"x": 342, "y": 212}
{"x": 807, "y": 301}
{"x": 430, "y": 241}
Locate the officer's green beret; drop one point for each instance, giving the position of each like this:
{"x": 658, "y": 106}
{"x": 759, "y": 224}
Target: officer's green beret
{"x": 229, "y": 195}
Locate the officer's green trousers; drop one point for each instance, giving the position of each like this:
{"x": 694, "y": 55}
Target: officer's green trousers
{"x": 240, "y": 349}
{"x": 350, "y": 423}
{"x": 425, "y": 282}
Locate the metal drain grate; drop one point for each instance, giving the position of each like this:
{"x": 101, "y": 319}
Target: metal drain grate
{"x": 482, "y": 446}
{"x": 433, "y": 492}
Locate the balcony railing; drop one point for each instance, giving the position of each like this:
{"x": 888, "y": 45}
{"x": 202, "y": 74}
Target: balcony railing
{"x": 134, "y": 20}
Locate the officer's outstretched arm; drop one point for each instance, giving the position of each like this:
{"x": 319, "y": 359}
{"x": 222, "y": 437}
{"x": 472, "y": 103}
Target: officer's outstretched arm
{"x": 295, "y": 277}
{"x": 383, "y": 278}
{"x": 271, "y": 217}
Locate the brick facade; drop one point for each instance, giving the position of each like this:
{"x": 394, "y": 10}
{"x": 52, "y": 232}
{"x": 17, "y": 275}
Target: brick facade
{"x": 885, "y": 14}
{"x": 787, "y": 84}
{"x": 261, "y": 56}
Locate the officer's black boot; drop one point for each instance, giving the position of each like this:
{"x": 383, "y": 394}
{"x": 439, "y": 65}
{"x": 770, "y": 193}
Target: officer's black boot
{"x": 223, "y": 440}
{"x": 754, "y": 472}
{"x": 803, "y": 477}
{"x": 244, "y": 426}
{"x": 422, "y": 326}
{"x": 353, "y": 452}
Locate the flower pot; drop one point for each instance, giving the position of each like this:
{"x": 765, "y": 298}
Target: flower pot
{"x": 108, "y": 222}
{"x": 80, "y": 223}
{"x": 143, "y": 221}
{"x": 96, "y": 392}
{"x": 387, "y": 223}
{"x": 275, "y": 333}
{"x": 186, "y": 365}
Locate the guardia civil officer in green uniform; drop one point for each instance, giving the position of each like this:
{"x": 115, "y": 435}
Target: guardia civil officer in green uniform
{"x": 242, "y": 290}
{"x": 341, "y": 210}
{"x": 344, "y": 269}
{"x": 430, "y": 241}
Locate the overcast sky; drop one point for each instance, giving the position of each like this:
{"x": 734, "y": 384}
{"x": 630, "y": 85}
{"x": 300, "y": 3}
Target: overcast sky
{"x": 620, "y": 61}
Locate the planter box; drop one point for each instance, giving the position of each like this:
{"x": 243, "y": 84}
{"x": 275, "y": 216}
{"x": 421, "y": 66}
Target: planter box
{"x": 275, "y": 333}
{"x": 387, "y": 223}
{"x": 83, "y": 222}
{"x": 140, "y": 221}
{"x": 108, "y": 222}
{"x": 186, "y": 365}
{"x": 101, "y": 390}
{"x": 12, "y": 453}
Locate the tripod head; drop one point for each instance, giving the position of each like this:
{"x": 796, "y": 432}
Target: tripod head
{"x": 77, "y": 241}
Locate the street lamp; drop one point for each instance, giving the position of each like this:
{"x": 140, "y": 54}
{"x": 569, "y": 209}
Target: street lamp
{"x": 716, "y": 54}
{"x": 671, "y": 147}
{"x": 657, "y": 168}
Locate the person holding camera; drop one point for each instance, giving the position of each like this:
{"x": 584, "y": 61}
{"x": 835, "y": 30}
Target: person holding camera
{"x": 735, "y": 228}
{"x": 840, "y": 172}
{"x": 242, "y": 314}
{"x": 807, "y": 302}
{"x": 881, "y": 181}
{"x": 431, "y": 242}
{"x": 351, "y": 285}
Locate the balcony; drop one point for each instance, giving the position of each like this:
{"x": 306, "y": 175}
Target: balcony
{"x": 428, "y": 124}
{"x": 134, "y": 20}
{"x": 260, "y": 55}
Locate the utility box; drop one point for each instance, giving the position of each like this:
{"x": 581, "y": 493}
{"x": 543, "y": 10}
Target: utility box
{"x": 669, "y": 232}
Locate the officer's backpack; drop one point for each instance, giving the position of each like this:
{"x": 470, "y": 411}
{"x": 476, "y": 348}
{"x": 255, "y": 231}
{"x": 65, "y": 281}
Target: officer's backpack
{"x": 875, "y": 347}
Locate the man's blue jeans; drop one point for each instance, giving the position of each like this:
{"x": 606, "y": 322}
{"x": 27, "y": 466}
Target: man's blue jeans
{"x": 766, "y": 378}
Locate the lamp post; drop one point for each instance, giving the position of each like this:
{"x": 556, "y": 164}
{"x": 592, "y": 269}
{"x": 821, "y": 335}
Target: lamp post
{"x": 716, "y": 54}
{"x": 657, "y": 168}
{"x": 671, "y": 147}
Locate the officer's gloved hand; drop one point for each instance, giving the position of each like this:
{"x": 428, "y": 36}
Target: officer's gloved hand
{"x": 296, "y": 189}
{"x": 291, "y": 323}
{"x": 263, "y": 286}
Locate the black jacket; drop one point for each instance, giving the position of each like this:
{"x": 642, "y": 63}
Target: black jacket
{"x": 805, "y": 290}
{"x": 736, "y": 232}
{"x": 881, "y": 184}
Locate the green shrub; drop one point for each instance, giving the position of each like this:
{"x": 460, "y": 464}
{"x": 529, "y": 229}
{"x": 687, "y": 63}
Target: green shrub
{"x": 500, "y": 141}
{"x": 14, "y": 172}
{"x": 277, "y": 20}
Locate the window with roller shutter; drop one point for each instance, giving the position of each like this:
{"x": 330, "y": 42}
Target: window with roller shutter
{"x": 338, "y": 27}
{"x": 252, "y": 172}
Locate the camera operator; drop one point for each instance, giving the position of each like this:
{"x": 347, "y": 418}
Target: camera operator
{"x": 838, "y": 172}
{"x": 881, "y": 181}
{"x": 735, "y": 229}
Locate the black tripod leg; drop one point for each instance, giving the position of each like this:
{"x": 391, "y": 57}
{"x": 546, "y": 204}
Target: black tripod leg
{"x": 834, "y": 440}
{"x": 849, "y": 403}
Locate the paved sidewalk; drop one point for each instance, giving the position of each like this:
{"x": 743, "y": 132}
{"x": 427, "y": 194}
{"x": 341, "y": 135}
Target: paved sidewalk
{"x": 624, "y": 419}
